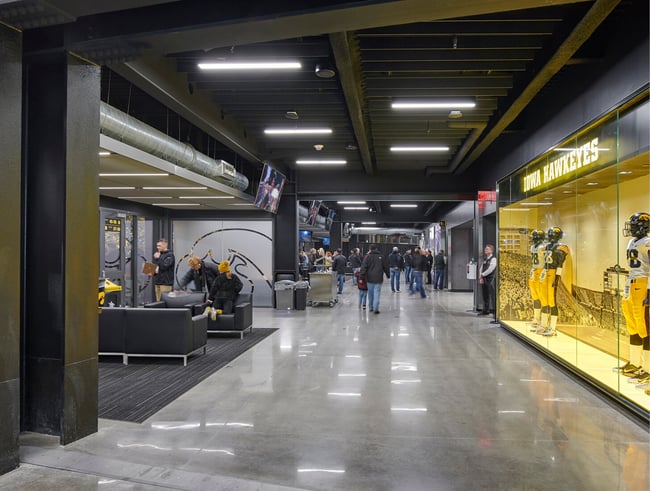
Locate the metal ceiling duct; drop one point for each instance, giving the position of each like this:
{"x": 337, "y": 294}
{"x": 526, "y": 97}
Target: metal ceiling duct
{"x": 122, "y": 127}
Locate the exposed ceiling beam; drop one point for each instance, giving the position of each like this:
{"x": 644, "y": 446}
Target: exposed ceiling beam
{"x": 347, "y": 64}
{"x": 582, "y": 32}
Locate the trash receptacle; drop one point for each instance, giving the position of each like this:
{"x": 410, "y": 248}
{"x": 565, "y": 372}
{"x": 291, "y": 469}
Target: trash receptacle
{"x": 284, "y": 294}
{"x": 300, "y": 296}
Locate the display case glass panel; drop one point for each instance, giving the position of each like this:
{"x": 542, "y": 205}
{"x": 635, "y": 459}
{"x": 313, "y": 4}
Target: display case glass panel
{"x": 564, "y": 264}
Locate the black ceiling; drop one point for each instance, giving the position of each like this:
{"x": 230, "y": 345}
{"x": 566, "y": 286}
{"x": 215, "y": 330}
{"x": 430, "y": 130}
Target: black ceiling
{"x": 504, "y": 55}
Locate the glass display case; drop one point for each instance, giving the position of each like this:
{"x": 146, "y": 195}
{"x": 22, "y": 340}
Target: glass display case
{"x": 566, "y": 263}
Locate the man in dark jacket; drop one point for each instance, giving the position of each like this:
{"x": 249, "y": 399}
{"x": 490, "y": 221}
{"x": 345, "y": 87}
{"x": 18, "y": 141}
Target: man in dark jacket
{"x": 354, "y": 260}
{"x": 338, "y": 266}
{"x": 439, "y": 263}
{"x": 225, "y": 289}
{"x": 395, "y": 264}
{"x": 201, "y": 273}
{"x": 373, "y": 269}
{"x": 408, "y": 266}
{"x": 419, "y": 269}
{"x": 165, "y": 261}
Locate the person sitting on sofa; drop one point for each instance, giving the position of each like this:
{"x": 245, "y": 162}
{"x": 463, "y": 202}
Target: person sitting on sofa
{"x": 224, "y": 290}
{"x": 201, "y": 273}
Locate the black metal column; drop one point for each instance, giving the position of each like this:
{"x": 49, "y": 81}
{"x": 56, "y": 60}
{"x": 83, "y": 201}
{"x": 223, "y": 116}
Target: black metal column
{"x": 10, "y": 135}
{"x": 61, "y": 258}
{"x": 285, "y": 233}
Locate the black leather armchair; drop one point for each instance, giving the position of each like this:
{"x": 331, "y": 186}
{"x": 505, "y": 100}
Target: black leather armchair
{"x": 196, "y": 301}
{"x": 239, "y": 321}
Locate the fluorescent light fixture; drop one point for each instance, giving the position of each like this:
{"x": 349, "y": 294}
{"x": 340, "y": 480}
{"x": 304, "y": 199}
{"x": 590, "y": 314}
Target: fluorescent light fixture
{"x": 433, "y": 104}
{"x": 206, "y": 197}
{"x": 407, "y": 381}
{"x": 345, "y": 394}
{"x": 625, "y": 172}
{"x": 133, "y": 174}
{"x": 330, "y": 471}
{"x": 298, "y": 131}
{"x": 355, "y": 208}
{"x": 104, "y": 153}
{"x": 351, "y": 202}
{"x": 366, "y": 228}
{"x": 516, "y": 209}
{"x": 419, "y": 149}
{"x": 592, "y": 184}
{"x": 403, "y": 206}
{"x": 251, "y": 65}
{"x": 145, "y": 197}
{"x": 174, "y": 187}
{"x": 116, "y": 187}
{"x": 175, "y": 204}
{"x": 410, "y": 409}
{"x": 352, "y": 374}
{"x": 368, "y": 223}
{"x": 321, "y": 162}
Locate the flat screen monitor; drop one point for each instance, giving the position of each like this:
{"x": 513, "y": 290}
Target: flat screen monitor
{"x": 326, "y": 241}
{"x": 305, "y": 236}
{"x": 270, "y": 189}
{"x": 312, "y": 213}
{"x": 329, "y": 219}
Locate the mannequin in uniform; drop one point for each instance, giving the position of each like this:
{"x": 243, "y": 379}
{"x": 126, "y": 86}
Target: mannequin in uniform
{"x": 637, "y": 297}
{"x": 537, "y": 257}
{"x": 555, "y": 253}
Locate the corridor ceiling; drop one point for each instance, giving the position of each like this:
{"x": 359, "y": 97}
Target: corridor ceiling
{"x": 501, "y": 55}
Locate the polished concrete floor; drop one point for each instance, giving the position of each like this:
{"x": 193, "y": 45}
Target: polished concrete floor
{"x": 424, "y": 396}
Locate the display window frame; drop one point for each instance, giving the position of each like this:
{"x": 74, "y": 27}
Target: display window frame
{"x": 586, "y": 186}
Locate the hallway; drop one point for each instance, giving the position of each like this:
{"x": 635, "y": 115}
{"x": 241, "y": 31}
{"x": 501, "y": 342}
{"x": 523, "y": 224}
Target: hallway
{"x": 424, "y": 396}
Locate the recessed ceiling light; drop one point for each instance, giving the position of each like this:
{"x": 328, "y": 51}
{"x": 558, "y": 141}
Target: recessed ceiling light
{"x": 133, "y": 174}
{"x": 419, "y": 149}
{"x": 116, "y": 187}
{"x": 592, "y": 184}
{"x": 297, "y": 131}
{"x": 403, "y": 206}
{"x": 251, "y": 65}
{"x": 625, "y": 172}
{"x": 321, "y": 162}
{"x": 433, "y": 104}
{"x": 355, "y": 208}
{"x": 567, "y": 192}
{"x": 174, "y": 187}
{"x": 351, "y": 202}
{"x": 104, "y": 153}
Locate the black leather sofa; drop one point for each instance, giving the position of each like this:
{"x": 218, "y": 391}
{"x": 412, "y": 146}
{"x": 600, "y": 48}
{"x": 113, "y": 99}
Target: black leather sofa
{"x": 239, "y": 321}
{"x": 155, "y": 332}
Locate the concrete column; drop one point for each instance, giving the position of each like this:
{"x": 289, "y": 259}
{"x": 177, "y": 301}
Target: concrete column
{"x": 61, "y": 241}
{"x": 10, "y": 247}
{"x": 285, "y": 233}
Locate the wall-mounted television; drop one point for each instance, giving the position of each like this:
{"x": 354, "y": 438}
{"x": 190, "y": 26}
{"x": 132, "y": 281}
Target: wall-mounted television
{"x": 270, "y": 189}
{"x": 329, "y": 219}
{"x": 305, "y": 236}
{"x": 326, "y": 241}
{"x": 312, "y": 213}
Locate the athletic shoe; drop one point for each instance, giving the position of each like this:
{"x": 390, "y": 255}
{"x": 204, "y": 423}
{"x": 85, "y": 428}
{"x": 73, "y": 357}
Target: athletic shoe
{"x": 376, "y": 311}
{"x": 627, "y": 366}
{"x": 364, "y": 307}
{"x": 643, "y": 380}
{"x": 638, "y": 376}
{"x": 534, "y": 327}
{"x": 549, "y": 332}
{"x": 630, "y": 371}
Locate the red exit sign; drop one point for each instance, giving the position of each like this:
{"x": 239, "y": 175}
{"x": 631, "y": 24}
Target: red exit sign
{"x": 487, "y": 196}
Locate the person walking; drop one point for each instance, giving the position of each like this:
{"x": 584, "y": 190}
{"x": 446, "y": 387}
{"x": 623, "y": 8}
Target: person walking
{"x": 408, "y": 266}
{"x": 354, "y": 260}
{"x": 373, "y": 269}
{"x": 439, "y": 263}
{"x": 419, "y": 269}
{"x": 338, "y": 266}
{"x": 395, "y": 263}
{"x": 363, "y": 291}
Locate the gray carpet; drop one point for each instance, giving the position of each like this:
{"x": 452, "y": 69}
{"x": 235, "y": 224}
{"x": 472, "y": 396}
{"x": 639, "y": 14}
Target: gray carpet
{"x": 135, "y": 391}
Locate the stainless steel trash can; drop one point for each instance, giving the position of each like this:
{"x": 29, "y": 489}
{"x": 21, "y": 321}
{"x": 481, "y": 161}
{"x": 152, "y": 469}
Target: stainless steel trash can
{"x": 284, "y": 294}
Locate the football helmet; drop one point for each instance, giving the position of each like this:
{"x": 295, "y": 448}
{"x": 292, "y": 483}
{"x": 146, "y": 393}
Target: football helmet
{"x": 554, "y": 234}
{"x": 638, "y": 225}
{"x": 537, "y": 236}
